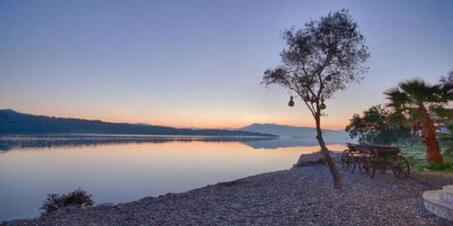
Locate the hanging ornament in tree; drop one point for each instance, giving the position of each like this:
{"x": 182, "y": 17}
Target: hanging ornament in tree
{"x": 329, "y": 78}
{"x": 322, "y": 106}
{"x": 291, "y": 101}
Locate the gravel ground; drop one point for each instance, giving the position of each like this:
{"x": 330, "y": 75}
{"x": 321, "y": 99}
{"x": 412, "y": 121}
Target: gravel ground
{"x": 299, "y": 196}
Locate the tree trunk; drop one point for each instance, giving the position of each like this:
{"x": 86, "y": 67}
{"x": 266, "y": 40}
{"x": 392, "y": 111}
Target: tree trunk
{"x": 429, "y": 139}
{"x": 333, "y": 169}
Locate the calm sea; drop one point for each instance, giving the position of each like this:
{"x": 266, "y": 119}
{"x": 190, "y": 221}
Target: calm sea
{"x": 126, "y": 168}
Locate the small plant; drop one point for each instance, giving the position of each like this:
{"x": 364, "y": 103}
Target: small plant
{"x": 76, "y": 197}
{"x": 446, "y": 166}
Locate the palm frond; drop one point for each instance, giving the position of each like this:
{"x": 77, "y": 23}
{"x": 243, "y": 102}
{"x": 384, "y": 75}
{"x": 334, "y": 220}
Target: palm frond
{"x": 418, "y": 90}
{"x": 443, "y": 112}
{"x": 397, "y": 98}
{"x": 445, "y": 91}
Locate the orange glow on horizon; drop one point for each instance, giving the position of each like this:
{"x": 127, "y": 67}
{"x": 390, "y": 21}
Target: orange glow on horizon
{"x": 213, "y": 123}
{"x": 209, "y": 120}
{"x": 228, "y": 122}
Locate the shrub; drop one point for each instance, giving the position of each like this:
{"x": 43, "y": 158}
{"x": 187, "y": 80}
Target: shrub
{"x": 446, "y": 166}
{"x": 447, "y": 139}
{"x": 55, "y": 201}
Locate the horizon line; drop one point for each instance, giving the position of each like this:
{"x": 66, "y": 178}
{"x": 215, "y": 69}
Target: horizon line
{"x": 148, "y": 124}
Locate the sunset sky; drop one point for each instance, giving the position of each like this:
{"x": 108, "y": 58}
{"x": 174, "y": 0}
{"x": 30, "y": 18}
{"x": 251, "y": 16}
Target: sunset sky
{"x": 200, "y": 63}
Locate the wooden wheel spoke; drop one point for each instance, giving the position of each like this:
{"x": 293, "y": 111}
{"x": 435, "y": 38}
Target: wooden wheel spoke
{"x": 347, "y": 161}
{"x": 401, "y": 167}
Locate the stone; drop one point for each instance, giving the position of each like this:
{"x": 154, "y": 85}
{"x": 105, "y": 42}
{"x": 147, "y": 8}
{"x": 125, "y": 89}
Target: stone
{"x": 446, "y": 196}
{"x": 309, "y": 159}
{"x": 438, "y": 203}
{"x": 316, "y": 158}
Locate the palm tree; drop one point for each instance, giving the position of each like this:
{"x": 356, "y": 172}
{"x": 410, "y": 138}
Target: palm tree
{"x": 415, "y": 98}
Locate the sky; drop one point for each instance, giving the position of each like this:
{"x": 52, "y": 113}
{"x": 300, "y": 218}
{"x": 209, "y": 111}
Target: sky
{"x": 200, "y": 63}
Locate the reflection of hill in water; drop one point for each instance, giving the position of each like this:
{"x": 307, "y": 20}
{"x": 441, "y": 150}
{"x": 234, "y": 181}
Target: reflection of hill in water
{"x": 293, "y": 142}
{"x": 47, "y": 141}
{"x": 279, "y": 143}
{"x": 292, "y": 136}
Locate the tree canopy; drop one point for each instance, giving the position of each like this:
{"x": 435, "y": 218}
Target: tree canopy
{"x": 415, "y": 98}
{"x": 378, "y": 125}
{"x": 321, "y": 58}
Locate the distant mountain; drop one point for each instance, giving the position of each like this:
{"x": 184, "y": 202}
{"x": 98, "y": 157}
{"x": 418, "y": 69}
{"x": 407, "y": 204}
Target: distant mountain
{"x": 283, "y": 130}
{"x": 303, "y": 133}
{"x": 13, "y": 122}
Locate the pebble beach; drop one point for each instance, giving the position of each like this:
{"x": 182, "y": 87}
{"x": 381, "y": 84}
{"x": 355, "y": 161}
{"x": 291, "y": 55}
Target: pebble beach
{"x": 297, "y": 196}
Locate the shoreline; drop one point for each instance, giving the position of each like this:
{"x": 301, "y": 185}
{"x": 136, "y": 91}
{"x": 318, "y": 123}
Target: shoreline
{"x": 303, "y": 195}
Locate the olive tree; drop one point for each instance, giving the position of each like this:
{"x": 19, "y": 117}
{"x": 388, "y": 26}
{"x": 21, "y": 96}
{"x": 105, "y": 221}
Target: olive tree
{"x": 320, "y": 59}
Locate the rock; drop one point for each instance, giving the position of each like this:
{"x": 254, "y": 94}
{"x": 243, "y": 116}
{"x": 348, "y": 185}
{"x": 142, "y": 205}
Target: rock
{"x": 309, "y": 159}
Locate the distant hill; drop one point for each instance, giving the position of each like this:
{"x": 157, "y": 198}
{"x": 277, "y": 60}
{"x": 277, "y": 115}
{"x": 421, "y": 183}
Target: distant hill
{"x": 291, "y": 132}
{"x": 13, "y": 122}
{"x": 284, "y": 130}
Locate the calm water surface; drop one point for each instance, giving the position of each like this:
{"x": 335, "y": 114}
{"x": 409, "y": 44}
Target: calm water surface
{"x": 122, "y": 172}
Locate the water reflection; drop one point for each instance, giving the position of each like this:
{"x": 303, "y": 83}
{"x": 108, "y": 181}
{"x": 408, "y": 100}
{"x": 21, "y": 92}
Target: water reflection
{"x": 70, "y": 140}
{"x": 120, "y": 172}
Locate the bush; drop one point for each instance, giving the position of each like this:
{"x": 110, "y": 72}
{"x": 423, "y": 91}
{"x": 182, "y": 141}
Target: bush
{"x": 446, "y": 166}
{"x": 447, "y": 139}
{"x": 76, "y": 197}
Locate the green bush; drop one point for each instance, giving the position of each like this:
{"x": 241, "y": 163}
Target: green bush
{"x": 76, "y": 197}
{"x": 415, "y": 154}
{"x": 446, "y": 166}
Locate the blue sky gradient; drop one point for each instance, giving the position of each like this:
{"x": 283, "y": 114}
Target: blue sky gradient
{"x": 200, "y": 63}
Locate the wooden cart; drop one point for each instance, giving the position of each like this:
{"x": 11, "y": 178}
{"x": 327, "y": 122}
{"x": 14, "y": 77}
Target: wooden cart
{"x": 372, "y": 159}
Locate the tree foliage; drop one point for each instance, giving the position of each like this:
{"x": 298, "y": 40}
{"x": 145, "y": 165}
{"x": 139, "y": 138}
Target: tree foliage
{"x": 378, "y": 125}
{"x": 447, "y": 80}
{"x": 420, "y": 101}
{"x": 444, "y": 112}
{"x": 320, "y": 59}
{"x": 412, "y": 96}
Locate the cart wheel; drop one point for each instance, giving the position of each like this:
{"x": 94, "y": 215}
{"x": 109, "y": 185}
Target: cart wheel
{"x": 359, "y": 165}
{"x": 401, "y": 168}
{"x": 347, "y": 161}
{"x": 366, "y": 167}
